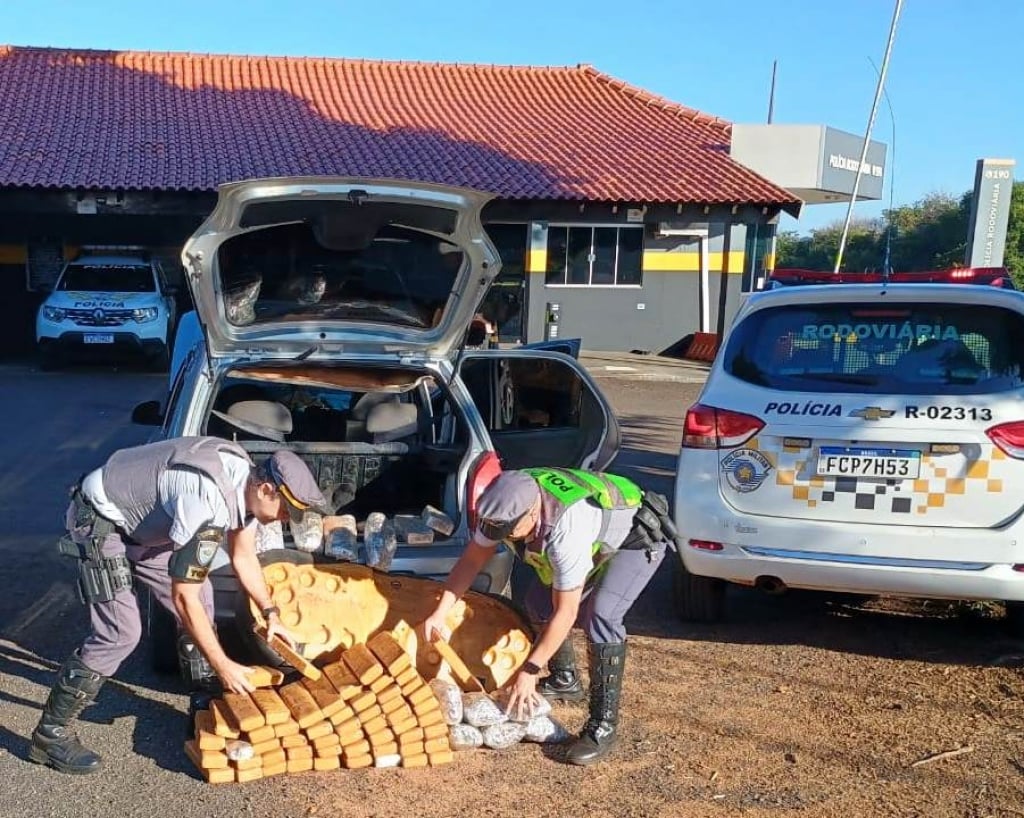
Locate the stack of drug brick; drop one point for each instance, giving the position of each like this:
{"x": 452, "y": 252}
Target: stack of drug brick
{"x": 371, "y": 708}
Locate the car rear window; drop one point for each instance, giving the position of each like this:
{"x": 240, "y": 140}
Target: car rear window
{"x": 941, "y": 348}
{"x": 108, "y": 278}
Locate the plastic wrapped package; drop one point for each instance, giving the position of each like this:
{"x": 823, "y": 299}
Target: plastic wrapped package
{"x": 412, "y": 530}
{"x": 480, "y": 710}
{"x": 238, "y": 750}
{"x": 546, "y": 730}
{"x": 540, "y": 708}
{"x": 392, "y": 760}
{"x": 438, "y": 521}
{"x": 502, "y": 736}
{"x": 465, "y": 737}
{"x": 307, "y": 532}
{"x": 344, "y": 540}
{"x": 269, "y": 537}
{"x": 379, "y": 540}
{"x": 450, "y": 698}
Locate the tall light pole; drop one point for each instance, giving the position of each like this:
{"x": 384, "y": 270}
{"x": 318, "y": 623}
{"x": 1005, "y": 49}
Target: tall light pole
{"x": 867, "y": 135}
{"x": 887, "y": 260}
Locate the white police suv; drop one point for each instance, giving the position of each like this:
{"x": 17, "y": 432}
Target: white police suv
{"x": 860, "y": 437}
{"x": 107, "y": 304}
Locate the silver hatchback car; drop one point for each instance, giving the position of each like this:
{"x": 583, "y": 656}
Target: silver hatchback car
{"x": 335, "y": 316}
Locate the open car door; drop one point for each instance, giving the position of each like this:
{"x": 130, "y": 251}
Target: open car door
{"x": 541, "y": 409}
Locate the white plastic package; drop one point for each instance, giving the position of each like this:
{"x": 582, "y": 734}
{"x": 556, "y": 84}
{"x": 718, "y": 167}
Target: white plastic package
{"x": 238, "y": 750}
{"x": 540, "y": 708}
{"x": 465, "y": 737}
{"x": 480, "y": 710}
{"x": 545, "y": 730}
{"x": 308, "y": 533}
{"x": 450, "y": 698}
{"x": 503, "y": 736}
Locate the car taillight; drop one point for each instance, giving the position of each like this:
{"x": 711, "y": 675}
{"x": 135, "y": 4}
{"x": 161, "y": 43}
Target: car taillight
{"x": 482, "y": 473}
{"x": 707, "y": 427}
{"x": 1009, "y": 437}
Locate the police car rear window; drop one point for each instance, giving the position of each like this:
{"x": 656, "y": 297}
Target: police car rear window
{"x": 940, "y": 349}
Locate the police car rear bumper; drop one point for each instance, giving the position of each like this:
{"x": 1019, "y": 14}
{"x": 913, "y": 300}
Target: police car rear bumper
{"x": 915, "y": 561}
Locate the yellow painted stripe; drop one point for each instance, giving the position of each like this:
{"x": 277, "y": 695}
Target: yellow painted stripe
{"x": 536, "y": 260}
{"x": 769, "y": 262}
{"x": 13, "y": 254}
{"x": 662, "y": 261}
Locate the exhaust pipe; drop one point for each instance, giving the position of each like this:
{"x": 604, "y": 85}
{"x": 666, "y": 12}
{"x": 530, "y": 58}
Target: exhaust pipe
{"x": 770, "y": 585}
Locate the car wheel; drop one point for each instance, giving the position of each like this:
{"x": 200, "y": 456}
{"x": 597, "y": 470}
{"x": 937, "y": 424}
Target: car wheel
{"x": 254, "y": 650}
{"x": 163, "y": 637}
{"x": 1015, "y": 619}
{"x": 697, "y": 599}
{"x": 160, "y": 361}
{"x": 49, "y": 360}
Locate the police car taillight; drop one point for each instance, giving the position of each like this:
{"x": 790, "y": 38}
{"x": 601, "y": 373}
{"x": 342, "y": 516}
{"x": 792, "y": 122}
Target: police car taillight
{"x": 708, "y": 427}
{"x": 1009, "y": 437}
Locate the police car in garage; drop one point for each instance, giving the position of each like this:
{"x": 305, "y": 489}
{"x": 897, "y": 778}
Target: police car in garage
{"x": 861, "y": 437}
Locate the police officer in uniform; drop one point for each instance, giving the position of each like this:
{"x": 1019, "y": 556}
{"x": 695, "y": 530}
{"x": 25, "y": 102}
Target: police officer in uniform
{"x": 594, "y": 541}
{"x": 157, "y": 514}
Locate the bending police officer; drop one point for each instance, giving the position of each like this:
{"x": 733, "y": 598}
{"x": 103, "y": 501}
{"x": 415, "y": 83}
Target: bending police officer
{"x": 594, "y": 541}
{"x": 157, "y": 514}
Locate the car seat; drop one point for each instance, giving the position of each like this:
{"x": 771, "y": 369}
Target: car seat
{"x": 256, "y": 419}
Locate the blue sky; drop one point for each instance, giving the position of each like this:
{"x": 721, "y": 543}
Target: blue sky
{"x": 953, "y": 81}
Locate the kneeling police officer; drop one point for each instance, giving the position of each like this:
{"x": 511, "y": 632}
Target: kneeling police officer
{"x": 594, "y": 541}
{"x": 157, "y": 514}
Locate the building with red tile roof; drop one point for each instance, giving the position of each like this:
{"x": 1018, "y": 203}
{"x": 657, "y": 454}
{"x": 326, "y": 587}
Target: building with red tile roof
{"x": 104, "y": 147}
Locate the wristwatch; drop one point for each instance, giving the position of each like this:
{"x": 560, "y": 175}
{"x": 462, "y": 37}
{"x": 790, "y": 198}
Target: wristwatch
{"x": 273, "y": 609}
{"x": 530, "y": 668}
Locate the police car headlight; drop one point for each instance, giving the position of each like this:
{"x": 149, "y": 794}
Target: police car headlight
{"x": 145, "y": 314}
{"x": 54, "y": 314}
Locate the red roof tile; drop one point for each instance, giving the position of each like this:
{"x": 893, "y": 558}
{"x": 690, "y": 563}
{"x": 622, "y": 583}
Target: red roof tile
{"x": 141, "y": 121}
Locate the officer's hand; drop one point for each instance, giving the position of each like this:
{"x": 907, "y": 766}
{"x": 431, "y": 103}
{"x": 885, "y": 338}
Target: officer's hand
{"x": 235, "y": 677}
{"x": 275, "y": 628}
{"x": 434, "y": 628}
{"x": 523, "y": 697}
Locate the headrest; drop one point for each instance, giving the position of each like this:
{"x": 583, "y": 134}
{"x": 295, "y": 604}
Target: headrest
{"x": 263, "y": 418}
{"x": 392, "y": 421}
{"x": 361, "y": 408}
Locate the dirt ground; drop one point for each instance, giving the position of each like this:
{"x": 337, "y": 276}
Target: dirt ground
{"x": 806, "y": 704}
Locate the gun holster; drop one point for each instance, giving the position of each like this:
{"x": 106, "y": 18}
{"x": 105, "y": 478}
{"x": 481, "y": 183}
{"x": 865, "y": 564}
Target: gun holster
{"x": 99, "y": 578}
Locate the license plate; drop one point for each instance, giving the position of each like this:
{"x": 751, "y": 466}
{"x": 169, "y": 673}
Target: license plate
{"x": 99, "y": 338}
{"x": 892, "y": 464}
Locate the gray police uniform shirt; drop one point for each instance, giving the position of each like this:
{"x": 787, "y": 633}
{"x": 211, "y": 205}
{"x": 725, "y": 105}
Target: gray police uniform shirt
{"x": 569, "y": 545}
{"x": 192, "y": 500}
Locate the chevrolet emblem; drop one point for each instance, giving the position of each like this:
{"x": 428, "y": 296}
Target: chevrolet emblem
{"x": 872, "y": 413}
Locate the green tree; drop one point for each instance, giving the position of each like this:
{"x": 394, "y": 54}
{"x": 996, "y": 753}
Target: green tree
{"x": 1014, "y": 259}
{"x": 926, "y": 235}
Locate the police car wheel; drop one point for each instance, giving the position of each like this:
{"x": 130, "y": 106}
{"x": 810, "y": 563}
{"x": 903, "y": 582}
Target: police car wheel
{"x": 253, "y": 649}
{"x": 49, "y": 360}
{"x": 160, "y": 361}
{"x": 697, "y": 599}
{"x": 1015, "y": 619}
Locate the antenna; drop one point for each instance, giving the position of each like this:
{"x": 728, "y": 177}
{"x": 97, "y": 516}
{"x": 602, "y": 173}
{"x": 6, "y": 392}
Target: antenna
{"x": 867, "y": 134}
{"x": 887, "y": 259}
{"x": 771, "y": 94}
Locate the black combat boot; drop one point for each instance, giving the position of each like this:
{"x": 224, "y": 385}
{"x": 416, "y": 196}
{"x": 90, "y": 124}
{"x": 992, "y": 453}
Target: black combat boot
{"x": 200, "y": 681}
{"x": 599, "y": 733}
{"x": 562, "y": 684}
{"x": 53, "y": 741}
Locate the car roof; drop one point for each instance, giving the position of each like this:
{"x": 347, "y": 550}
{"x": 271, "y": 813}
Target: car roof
{"x": 839, "y": 293}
